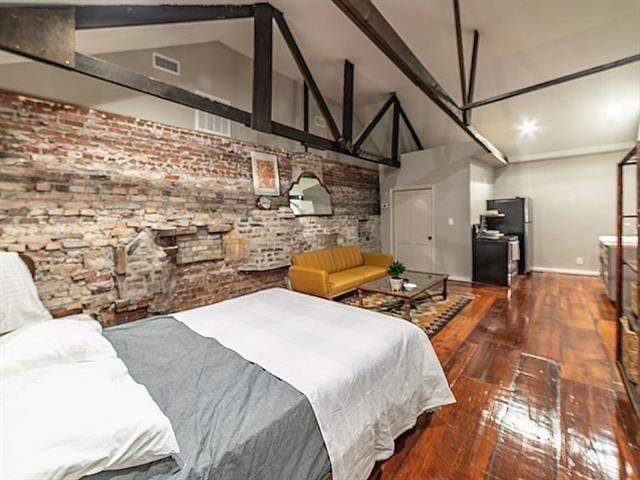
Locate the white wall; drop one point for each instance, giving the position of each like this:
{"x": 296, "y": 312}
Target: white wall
{"x": 574, "y": 201}
{"x": 481, "y": 177}
{"x": 446, "y": 169}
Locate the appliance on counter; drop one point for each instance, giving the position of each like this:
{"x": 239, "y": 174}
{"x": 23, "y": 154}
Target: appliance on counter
{"x": 495, "y": 260}
{"x": 516, "y": 220}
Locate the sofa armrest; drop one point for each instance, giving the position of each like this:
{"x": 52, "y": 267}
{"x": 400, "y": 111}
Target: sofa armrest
{"x": 309, "y": 280}
{"x": 377, "y": 259}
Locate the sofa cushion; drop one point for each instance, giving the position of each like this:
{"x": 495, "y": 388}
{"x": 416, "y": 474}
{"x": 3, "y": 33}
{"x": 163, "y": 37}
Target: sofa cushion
{"x": 368, "y": 272}
{"x": 318, "y": 260}
{"x": 345, "y": 258}
{"x": 341, "y": 282}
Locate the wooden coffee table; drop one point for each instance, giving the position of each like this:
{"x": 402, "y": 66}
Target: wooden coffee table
{"x": 424, "y": 282}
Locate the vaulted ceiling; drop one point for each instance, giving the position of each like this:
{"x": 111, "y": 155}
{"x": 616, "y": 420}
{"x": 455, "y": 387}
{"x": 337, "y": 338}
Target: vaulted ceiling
{"x": 522, "y": 42}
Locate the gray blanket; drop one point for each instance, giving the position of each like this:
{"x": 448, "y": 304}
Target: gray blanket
{"x": 233, "y": 420}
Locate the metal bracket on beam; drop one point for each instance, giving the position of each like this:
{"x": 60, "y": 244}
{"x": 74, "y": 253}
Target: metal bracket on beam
{"x": 46, "y": 34}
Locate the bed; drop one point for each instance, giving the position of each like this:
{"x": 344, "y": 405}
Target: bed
{"x": 232, "y": 419}
{"x": 281, "y": 385}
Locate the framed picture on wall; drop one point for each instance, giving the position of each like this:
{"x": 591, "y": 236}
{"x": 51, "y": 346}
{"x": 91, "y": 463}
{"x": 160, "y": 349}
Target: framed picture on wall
{"x": 266, "y": 180}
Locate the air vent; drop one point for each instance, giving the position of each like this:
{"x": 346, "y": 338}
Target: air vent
{"x": 206, "y": 122}
{"x": 166, "y": 64}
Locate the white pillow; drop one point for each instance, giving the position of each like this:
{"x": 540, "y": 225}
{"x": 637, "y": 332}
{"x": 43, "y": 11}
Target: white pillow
{"x": 19, "y": 301}
{"x": 77, "y": 413}
{"x": 76, "y": 338}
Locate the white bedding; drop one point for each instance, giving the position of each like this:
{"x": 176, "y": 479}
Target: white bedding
{"x": 69, "y": 408}
{"x": 367, "y": 376}
{"x": 20, "y": 304}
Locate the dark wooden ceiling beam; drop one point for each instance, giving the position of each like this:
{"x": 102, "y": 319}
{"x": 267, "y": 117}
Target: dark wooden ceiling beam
{"x": 38, "y": 31}
{"x": 261, "y": 96}
{"x": 395, "y": 132}
{"x": 306, "y": 74}
{"x": 556, "y": 81}
{"x": 373, "y": 24}
{"x": 305, "y": 106}
{"x": 118, "y": 75}
{"x": 472, "y": 74}
{"x": 109, "y": 72}
{"x": 347, "y": 105}
{"x": 460, "y": 48}
{"x": 372, "y": 124}
{"x": 137, "y": 15}
{"x": 409, "y": 125}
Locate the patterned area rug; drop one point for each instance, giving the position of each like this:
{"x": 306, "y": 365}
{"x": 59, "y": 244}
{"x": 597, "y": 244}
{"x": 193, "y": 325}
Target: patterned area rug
{"x": 430, "y": 314}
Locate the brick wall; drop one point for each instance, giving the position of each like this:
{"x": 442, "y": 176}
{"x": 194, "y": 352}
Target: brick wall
{"x": 128, "y": 218}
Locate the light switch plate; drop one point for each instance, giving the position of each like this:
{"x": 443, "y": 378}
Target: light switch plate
{"x": 451, "y": 222}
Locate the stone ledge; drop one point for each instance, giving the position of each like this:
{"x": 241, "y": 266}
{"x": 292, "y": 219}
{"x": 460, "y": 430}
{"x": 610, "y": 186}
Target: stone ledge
{"x": 175, "y": 231}
{"x": 221, "y": 228}
{"x": 263, "y": 268}
{"x": 128, "y": 305}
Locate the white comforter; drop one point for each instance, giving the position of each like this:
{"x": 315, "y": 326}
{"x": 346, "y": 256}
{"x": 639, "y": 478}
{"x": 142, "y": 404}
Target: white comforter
{"x": 367, "y": 375}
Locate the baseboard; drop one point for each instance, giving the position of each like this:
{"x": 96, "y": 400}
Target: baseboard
{"x": 567, "y": 271}
{"x": 460, "y": 279}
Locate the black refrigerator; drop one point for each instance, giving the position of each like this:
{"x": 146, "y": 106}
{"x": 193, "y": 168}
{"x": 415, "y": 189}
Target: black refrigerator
{"x": 518, "y": 221}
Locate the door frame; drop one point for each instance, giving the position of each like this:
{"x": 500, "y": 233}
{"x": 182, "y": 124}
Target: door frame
{"x": 392, "y": 220}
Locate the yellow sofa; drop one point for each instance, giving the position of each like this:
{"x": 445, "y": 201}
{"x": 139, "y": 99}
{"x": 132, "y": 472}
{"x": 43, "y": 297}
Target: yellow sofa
{"x": 334, "y": 271}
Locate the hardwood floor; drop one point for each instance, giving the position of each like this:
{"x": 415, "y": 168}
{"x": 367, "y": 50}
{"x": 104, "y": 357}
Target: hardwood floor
{"x": 538, "y": 394}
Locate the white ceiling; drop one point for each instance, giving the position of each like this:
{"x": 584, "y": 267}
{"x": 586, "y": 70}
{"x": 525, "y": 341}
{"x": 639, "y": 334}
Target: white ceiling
{"x": 521, "y": 42}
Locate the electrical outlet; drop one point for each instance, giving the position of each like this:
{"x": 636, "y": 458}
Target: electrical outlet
{"x": 579, "y": 261}
{"x": 451, "y": 222}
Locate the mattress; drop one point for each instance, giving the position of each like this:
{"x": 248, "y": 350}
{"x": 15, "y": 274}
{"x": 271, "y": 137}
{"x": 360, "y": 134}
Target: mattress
{"x": 232, "y": 419}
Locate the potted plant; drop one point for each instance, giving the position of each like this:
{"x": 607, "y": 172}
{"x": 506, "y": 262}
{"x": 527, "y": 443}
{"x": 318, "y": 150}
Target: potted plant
{"x": 396, "y": 270}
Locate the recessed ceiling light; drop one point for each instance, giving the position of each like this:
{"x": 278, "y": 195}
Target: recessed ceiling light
{"x": 528, "y": 127}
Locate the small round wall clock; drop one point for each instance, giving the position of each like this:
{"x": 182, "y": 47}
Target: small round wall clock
{"x": 264, "y": 203}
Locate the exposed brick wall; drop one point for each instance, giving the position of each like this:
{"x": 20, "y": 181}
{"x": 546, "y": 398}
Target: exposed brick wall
{"x": 127, "y": 218}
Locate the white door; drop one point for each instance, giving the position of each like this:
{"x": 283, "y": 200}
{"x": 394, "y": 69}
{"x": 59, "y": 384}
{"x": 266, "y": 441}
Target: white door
{"x": 413, "y": 228}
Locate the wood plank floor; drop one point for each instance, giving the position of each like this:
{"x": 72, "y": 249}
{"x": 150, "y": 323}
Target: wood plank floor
{"x": 538, "y": 394}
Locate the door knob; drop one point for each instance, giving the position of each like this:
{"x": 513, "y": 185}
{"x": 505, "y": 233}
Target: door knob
{"x": 430, "y": 237}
